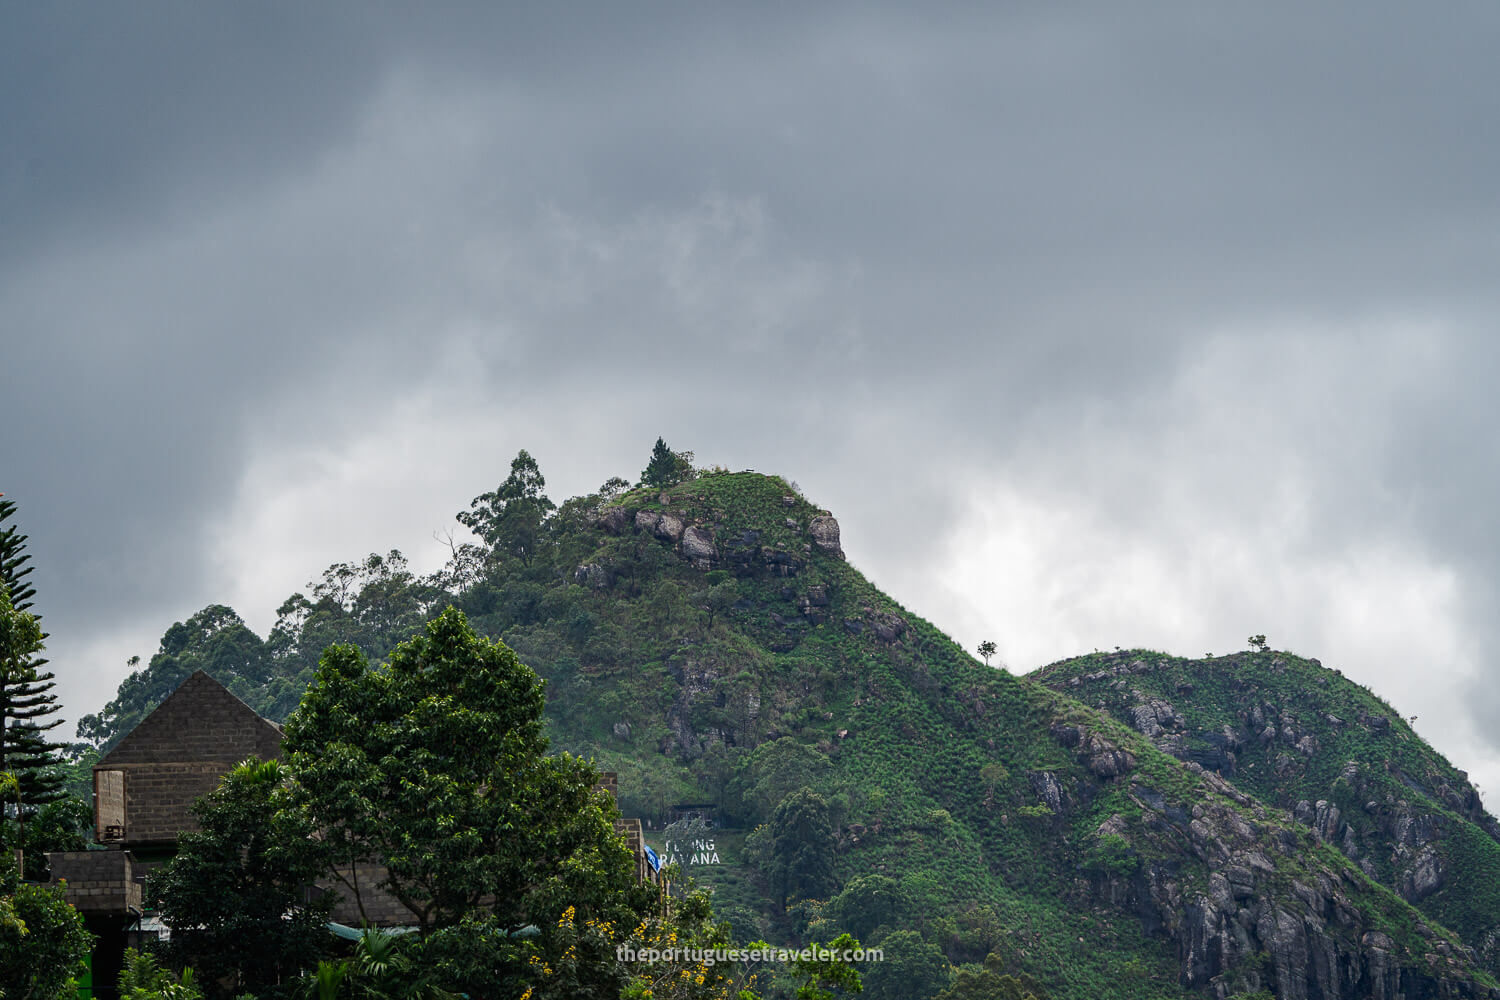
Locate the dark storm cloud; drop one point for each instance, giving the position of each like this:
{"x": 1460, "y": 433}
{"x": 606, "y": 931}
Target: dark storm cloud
{"x": 858, "y": 244}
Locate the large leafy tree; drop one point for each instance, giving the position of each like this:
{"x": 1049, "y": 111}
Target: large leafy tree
{"x": 912, "y": 969}
{"x": 795, "y": 850}
{"x": 235, "y": 892}
{"x": 510, "y": 518}
{"x": 868, "y": 905}
{"x": 435, "y": 767}
{"x": 27, "y": 703}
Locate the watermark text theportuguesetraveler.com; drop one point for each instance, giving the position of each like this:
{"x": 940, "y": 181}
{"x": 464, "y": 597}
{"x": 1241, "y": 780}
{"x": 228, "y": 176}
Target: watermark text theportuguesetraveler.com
{"x": 713, "y": 956}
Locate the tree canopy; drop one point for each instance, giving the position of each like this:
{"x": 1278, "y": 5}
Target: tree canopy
{"x": 435, "y": 766}
{"x": 42, "y": 941}
{"x": 509, "y": 518}
{"x": 235, "y": 892}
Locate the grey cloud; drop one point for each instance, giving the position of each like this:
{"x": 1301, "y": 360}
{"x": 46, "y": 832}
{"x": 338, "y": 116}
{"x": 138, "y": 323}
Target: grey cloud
{"x": 871, "y": 247}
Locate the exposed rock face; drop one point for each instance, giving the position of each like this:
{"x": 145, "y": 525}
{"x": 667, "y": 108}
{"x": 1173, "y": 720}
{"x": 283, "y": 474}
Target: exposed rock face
{"x": 1048, "y": 789}
{"x": 1382, "y": 818}
{"x": 825, "y": 535}
{"x": 889, "y": 627}
{"x": 614, "y": 520}
{"x": 1247, "y": 932}
{"x": 593, "y": 575}
{"x": 1100, "y": 755}
{"x": 780, "y": 561}
{"x": 668, "y": 528}
{"x": 698, "y": 546}
{"x": 699, "y": 682}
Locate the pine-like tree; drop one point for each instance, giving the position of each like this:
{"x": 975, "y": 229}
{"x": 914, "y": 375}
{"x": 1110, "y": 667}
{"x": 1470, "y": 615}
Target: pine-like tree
{"x": 662, "y": 469}
{"x": 26, "y": 698}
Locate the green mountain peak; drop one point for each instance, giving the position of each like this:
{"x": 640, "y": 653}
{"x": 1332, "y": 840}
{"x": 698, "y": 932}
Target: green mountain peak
{"x": 1110, "y": 827}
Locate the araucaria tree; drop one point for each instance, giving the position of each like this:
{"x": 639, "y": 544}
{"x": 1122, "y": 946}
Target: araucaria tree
{"x": 662, "y": 469}
{"x": 26, "y": 698}
{"x": 434, "y": 766}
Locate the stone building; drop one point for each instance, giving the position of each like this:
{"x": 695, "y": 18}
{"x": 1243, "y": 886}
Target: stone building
{"x": 144, "y": 790}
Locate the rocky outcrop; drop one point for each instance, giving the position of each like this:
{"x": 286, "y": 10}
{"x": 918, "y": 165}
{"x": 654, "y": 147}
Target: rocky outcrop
{"x": 1394, "y": 814}
{"x": 1099, "y": 755}
{"x": 825, "y": 535}
{"x": 667, "y": 527}
{"x": 1048, "y": 790}
{"x": 614, "y": 520}
{"x": 593, "y": 576}
{"x": 698, "y": 547}
{"x": 1268, "y": 920}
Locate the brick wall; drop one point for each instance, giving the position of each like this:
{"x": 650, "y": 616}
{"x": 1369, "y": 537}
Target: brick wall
{"x": 200, "y": 722}
{"x": 381, "y": 909}
{"x": 178, "y": 753}
{"x": 97, "y": 881}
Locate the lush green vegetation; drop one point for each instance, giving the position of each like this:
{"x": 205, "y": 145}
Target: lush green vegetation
{"x": 235, "y": 894}
{"x": 42, "y": 941}
{"x": 703, "y": 638}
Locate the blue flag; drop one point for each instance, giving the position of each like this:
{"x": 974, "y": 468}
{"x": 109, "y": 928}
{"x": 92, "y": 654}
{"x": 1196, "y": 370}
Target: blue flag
{"x": 651, "y": 857}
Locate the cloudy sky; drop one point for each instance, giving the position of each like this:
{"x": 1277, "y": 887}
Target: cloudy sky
{"x": 1095, "y": 328}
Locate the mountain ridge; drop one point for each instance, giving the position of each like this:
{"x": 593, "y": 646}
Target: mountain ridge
{"x": 710, "y": 643}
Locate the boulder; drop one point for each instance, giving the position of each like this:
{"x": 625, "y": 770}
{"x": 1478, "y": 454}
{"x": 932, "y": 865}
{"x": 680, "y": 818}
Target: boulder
{"x": 888, "y": 627}
{"x": 825, "y": 535}
{"x": 592, "y": 575}
{"x": 614, "y": 520}
{"x": 698, "y": 546}
{"x": 668, "y": 528}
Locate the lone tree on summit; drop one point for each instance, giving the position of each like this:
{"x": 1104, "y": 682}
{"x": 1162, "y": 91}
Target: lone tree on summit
{"x": 662, "y": 469}
{"x": 986, "y": 650}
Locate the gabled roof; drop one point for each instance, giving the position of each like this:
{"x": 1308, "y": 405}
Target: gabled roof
{"x": 200, "y": 722}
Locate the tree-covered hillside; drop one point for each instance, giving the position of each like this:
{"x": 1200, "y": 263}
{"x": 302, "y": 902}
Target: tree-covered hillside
{"x": 706, "y": 638}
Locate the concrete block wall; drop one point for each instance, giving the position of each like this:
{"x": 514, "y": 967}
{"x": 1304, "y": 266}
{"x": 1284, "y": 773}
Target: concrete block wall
{"x": 109, "y": 806}
{"x": 97, "y": 881}
{"x": 381, "y": 909}
{"x": 159, "y": 800}
{"x": 199, "y": 722}
{"x": 178, "y": 753}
